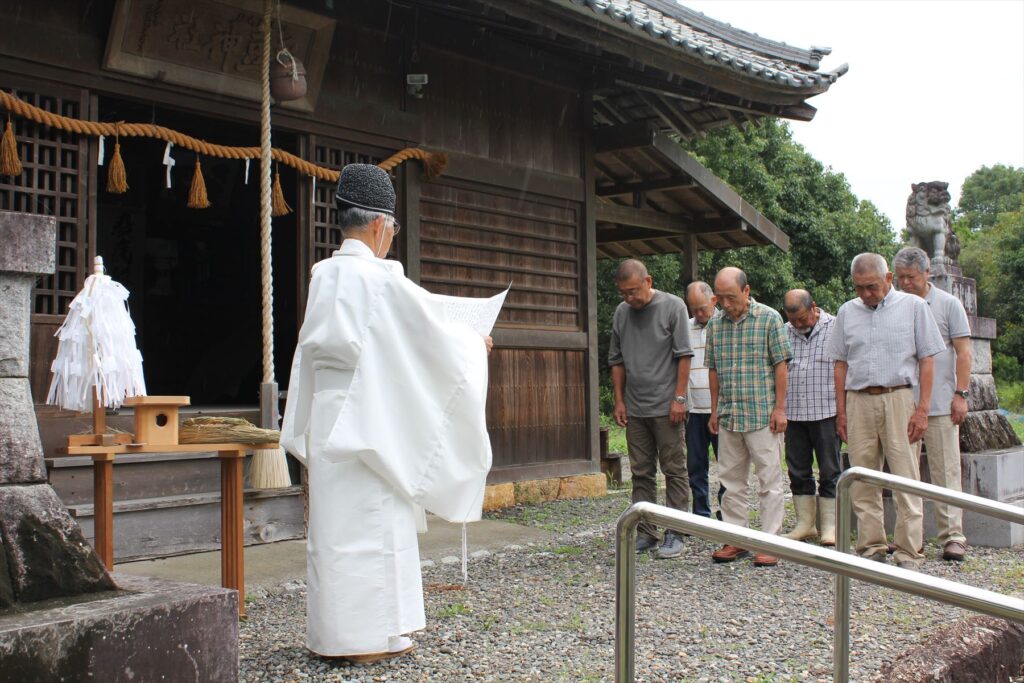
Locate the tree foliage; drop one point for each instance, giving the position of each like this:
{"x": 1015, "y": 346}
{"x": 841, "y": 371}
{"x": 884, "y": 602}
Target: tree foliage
{"x": 990, "y": 223}
{"x": 814, "y": 205}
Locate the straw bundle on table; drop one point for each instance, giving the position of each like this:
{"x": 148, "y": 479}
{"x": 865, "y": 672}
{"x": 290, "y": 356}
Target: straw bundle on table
{"x": 224, "y": 430}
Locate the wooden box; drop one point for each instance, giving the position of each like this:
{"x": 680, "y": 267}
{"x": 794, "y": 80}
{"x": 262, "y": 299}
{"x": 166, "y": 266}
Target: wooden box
{"x": 156, "y": 419}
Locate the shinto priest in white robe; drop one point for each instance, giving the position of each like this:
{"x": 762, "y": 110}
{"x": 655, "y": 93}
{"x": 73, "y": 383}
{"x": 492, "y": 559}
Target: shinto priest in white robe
{"x": 386, "y": 408}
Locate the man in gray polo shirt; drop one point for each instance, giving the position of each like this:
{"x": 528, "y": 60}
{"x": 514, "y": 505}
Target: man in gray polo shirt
{"x": 649, "y": 355}
{"x": 882, "y": 344}
{"x": 949, "y": 394}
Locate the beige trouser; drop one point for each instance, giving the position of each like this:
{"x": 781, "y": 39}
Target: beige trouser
{"x": 942, "y": 442}
{"x": 876, "y": 427}
{"x": 739, "y": 449}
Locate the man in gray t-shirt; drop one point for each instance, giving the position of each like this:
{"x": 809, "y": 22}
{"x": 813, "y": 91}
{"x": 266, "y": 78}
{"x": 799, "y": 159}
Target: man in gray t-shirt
{"x": 948, "y": 406}
{"x": 649, "y": 355}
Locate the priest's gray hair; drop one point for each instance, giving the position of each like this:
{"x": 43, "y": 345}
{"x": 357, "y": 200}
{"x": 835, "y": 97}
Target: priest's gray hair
{"x": 912, "y": 257}
{"x": 353, "y": 219}
{"x": 869, "y": 262}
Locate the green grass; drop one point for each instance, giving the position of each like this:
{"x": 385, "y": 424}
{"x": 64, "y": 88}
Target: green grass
{"x": 456, "y": 609}
{"x": 1011, "y": 396}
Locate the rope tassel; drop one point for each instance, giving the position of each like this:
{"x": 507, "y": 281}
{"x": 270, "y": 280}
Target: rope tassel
{"x": 197, "y": 198}
{"x": 117, "y": 177}
{"x": 279, "y": 207}
{"x": 10, "y": 164}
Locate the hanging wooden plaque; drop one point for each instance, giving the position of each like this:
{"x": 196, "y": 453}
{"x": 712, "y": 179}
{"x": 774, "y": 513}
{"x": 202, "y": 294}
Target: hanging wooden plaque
{"x": 214, "y": 46}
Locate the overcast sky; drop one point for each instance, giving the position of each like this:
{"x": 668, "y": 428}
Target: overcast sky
{"x": 935, "y": 88}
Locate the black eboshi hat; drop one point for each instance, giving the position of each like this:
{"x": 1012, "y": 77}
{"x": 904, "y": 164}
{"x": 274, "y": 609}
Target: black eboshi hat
{"x": 365, "y": 186}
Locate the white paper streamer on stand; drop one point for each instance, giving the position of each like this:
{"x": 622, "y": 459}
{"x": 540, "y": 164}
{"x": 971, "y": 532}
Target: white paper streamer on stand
{"x": 247, "y": 171}
{"x": 168, "y": 162}
{"x": 99, "y": 157}
{"x": 97, "y": 351}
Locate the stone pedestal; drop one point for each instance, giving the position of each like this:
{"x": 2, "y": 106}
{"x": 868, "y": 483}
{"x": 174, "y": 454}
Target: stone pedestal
{"x": 151, "y": 630}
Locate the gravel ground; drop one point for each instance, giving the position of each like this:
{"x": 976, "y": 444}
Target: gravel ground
{"x": 546, "y": 613}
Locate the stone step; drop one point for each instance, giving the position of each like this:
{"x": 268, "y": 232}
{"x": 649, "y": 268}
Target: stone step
{"x": 162, "y": 526}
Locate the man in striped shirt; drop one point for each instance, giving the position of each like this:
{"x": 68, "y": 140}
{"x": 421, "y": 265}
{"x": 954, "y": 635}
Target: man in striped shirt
{"x": 700, "y": 299}
{"x": 746, "y": 356}
{"x": 883, "y": 344}
{"x": 811, "y": 410}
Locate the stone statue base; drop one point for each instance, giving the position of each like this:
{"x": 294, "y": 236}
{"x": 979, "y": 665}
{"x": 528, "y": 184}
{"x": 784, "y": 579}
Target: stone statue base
{"x": 151, "y": 630}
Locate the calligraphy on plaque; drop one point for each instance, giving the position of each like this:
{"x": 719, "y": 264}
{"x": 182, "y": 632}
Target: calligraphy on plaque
{"x": 215, "y": 46}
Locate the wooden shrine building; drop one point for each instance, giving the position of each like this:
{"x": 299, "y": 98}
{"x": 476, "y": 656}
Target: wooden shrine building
{"x": 560, "y": 120}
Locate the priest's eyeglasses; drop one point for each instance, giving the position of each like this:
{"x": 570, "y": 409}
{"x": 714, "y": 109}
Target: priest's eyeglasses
{"x": 395, "y": 225}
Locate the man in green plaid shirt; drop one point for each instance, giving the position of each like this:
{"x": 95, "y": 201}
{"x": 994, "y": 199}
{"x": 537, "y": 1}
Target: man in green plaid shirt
{"x": 746, "y": 355}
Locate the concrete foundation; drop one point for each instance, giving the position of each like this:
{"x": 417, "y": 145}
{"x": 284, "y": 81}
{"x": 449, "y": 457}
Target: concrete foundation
{"x": 150, "y": 630}
{"x": 997, "y": 475}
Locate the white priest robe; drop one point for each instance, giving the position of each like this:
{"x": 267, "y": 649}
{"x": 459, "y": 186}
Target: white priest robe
{"x": 386, "y": 409}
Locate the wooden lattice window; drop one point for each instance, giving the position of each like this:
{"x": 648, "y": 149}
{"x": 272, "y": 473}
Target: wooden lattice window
{"x": 334, "y": 154}
{"x": 53, "y": 182}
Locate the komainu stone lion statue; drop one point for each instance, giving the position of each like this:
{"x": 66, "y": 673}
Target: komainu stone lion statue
{"x": 928, "y": 220}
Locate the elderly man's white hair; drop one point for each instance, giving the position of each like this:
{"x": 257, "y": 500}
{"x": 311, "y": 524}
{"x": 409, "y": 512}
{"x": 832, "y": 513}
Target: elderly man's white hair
{"x": 912, "y": 257}
{"x": 869, "y": 262}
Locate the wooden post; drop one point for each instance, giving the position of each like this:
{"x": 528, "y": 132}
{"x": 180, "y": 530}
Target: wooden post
{"x": 99, "y": 415}
{"x": 232, "y": 552}
{"x": 689, "y": 270}
{"x": 103, "y": 507}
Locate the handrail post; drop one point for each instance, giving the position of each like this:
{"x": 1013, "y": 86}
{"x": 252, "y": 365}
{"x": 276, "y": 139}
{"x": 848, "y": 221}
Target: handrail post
{"x": 625, "y": 594}
{"x": 841, "y": 620}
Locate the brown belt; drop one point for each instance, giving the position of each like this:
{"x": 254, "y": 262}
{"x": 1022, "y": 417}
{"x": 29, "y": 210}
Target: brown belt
{"x": 875, "y": 391}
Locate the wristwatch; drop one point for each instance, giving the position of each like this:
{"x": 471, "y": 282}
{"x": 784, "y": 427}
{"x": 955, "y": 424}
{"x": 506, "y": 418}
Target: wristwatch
{"x": 681, "y": 399}
{"x": 962, "y": 393}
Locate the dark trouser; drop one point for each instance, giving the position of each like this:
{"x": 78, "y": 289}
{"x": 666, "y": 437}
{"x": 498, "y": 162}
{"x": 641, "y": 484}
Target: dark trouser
{"x": 804, "y": 441}
{"x": 699, "y": 440}
{"x": 652, "y": 441}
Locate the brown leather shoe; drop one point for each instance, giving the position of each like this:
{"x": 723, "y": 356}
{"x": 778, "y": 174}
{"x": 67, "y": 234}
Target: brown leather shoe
{"x": 728, "y": 553}
{"x": 765, "y": 560}
{"x": 954, "y": 551}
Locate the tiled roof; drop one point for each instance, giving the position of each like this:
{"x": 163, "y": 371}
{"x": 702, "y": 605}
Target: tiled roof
{"x": 718, "y": 44}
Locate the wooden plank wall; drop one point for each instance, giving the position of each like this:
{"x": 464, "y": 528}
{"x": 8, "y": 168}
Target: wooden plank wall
{"x": 474, "y": 241}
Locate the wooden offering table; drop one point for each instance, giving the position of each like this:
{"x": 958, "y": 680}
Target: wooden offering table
{"x": 156, "y": 418}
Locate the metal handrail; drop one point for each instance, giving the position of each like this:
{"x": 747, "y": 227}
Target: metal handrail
{"x": 826, "y": 559}
{"x": 844, "y": 514}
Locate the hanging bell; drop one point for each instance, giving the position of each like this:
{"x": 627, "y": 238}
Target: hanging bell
{"x": 287, "y": 78}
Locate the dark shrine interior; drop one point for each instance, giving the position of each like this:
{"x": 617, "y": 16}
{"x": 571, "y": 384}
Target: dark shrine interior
{"x": 194, "y": 274}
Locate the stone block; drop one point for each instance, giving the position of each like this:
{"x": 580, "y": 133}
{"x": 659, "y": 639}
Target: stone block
{"x": 985, "y": 430}
{"x": 21, "y": 451}
{"x": 46, "y": 553}
{"x": 583, "y": 486}
{"x": 982, "y": 328}
{"x": 152, "y": 630}
{"x": 498, "y": 496}
{"x": 30, "y": 243}
{"x": 981, "y": 356}
{"x": 974, "y": 650}
{"x": 982, "y": 394}
{"x": 15, "y": 317}
{"x": 536, "y": 491}
{"x": 963, "y": 288}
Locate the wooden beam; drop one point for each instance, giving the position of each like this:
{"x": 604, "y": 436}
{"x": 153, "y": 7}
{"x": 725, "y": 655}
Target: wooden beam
{"x": 631, "y": 233}
{"x": 724, "y": 195}
{"x": 623, "y": 136}
{"x": 675, "y": 117}
{"x": 638, "y": 218}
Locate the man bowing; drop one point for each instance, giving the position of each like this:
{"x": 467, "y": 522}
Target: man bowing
{"x": 386, "y": 410}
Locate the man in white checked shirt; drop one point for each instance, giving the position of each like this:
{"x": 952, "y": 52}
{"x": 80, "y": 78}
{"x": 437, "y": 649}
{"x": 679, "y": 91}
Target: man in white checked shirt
{"x": 811, "y": 408}
{"x": 883, "y": 343}
{"x": 701, "y": 300}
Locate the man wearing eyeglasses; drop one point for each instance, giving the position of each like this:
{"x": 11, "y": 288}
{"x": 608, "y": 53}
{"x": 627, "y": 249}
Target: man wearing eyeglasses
{"x": 649, "y": 354}
{"x": 372, "y": 341}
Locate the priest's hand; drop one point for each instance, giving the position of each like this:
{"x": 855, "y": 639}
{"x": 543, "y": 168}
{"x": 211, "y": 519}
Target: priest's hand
{"x": 489, "y": 343}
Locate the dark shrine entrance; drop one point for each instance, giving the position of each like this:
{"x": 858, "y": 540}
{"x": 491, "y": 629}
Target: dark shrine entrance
{"x": 194, "y": 274}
